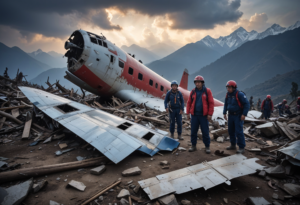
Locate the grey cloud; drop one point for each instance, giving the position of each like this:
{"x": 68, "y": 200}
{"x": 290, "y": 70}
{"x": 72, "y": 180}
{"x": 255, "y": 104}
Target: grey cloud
{"x": 59, "y": 18}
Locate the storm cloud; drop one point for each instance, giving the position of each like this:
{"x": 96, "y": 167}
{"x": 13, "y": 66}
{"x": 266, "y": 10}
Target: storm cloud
{"x": 59, "y": 18}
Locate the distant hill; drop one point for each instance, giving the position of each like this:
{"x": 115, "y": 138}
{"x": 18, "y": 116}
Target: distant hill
{"x": 55, "y": 54}
{"x": 254, "y": 62}
{"x": 192, "y": 56}
{"x": 53, "y": 62}
{"x": 15, "y": 58}
{"x": 140, "y": 53}
{"x": 276, "y": 86}
{"x": 162, "y": 49}
{"x": 54, "y": 74}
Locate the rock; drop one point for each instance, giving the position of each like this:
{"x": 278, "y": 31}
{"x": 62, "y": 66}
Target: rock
{"x": 38, "y": 186}
{"x": 275, "y": 196}
{"x": 136, "y": 189}
{"x": 123, "y": 193}
{"x": 292, "y": 189}
{"x": 77, "y": 185}
{"x": 14, "y": 195}
{"x": 98, "y": 170}
{"x": 185, "y": 202}
{"x": 189, "y": 163}
{"x": 225, "y": 200}
{"x": 262, "y": 173}
{"x": 165, "y": 162}
{"x": 257, "y": 201}
{"x": 220, "y": 139}
{"x": 211, "y": 128}
{"x": 129, "y": 182}
{"x": 278, "y": 171}
{"x": 131, "y": 172}
{"x": 54, "y": 203}
{"x": 101, "y": 198}
{"x": 165, "y": 167}
{"x": 181, "y": 149}
{"x": 124, "y": 201}
{"x": 168, "y": 200}
{"x": 216, "y": 125}
{"x": 131, "y": 186}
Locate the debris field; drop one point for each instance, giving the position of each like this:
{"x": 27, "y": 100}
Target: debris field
{"x": 42, "y": 162}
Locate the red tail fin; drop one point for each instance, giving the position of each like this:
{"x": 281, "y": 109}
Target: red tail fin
{"x": 184, "y": 79}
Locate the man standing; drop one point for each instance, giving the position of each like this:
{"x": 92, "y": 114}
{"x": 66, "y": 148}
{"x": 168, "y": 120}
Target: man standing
{"x": 258, "y": 103}
{"x": 237, "y": 106}
{"x": 267, "y": 106}
{"x": 174, "y": 105}
{"x": 201, "y": 106}
{"x": 251, "y": 103}
{"x": 281, "y": 107}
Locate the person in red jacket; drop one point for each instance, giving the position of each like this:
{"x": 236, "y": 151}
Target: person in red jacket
{"x": 267, "y": 107}
{"x": 201, "y": 106}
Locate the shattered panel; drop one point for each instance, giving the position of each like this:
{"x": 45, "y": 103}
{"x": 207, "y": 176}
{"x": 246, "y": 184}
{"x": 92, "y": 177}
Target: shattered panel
{"x": 98, "y": 128}
{"x": 206, "y": 175}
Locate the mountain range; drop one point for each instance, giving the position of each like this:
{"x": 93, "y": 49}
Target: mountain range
{"x": 253, "y": 62}
{"x": 53, "y": 59}
{"x": 14, "y": 58}
{"x": 195, "y": 56}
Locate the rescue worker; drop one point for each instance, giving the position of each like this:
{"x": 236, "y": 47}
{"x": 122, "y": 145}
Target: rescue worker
{"x": 267, "y": 107}
{"x": 237, "y": 105}
{"x": 258, "y": 104}
{"x": 174, "y": 105}
{"x": 298, "y": 104}
{"x": 251, "y": 103}
{"x": 281, "y": 107}
{"x": 201, "y": 106}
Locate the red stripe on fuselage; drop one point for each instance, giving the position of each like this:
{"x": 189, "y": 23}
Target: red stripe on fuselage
{"x": 85, "y": 74}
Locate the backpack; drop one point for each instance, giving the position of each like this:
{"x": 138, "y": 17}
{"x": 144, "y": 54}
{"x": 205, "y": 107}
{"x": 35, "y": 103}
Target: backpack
{"x": 237, "y": 98}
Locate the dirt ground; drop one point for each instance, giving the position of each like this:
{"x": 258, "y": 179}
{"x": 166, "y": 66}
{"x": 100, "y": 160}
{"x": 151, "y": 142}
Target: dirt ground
{"x": 56, "y": 190}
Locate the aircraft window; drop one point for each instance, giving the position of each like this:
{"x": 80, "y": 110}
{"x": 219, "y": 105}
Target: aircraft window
{"x": 104, "y": 44}
{"x": 148, "y": 136}
{"x": 151, "y": 82}
{"x": 130, "y": 71}
{"x": 156, "y": 85}
{"x": 112, "y": 58}
{"x": 140, "y": 77}
{"x": 93, "y": 40}
{"x": 162, "y": 88}
{"x": 99, "y": 42}
{"x": 121, "y": 64}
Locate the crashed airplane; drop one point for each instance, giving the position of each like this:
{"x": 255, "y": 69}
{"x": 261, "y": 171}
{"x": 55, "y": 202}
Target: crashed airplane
{"x": 100, "y": 67}
{"x": 115, "y": 137}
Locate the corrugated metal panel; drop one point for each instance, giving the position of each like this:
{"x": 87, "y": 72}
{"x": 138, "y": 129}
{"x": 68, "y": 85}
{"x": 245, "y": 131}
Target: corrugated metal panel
{"x": 206, "y": 175}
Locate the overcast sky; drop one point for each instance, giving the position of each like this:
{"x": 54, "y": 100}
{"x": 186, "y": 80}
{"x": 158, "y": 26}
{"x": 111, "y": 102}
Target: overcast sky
{"x": 34, "y": 24}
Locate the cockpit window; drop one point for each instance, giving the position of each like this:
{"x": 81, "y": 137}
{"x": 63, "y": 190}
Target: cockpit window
{"x": 104, "y": 44}
{"x": 99, "y": 42}
{"x": 93, "y": 40}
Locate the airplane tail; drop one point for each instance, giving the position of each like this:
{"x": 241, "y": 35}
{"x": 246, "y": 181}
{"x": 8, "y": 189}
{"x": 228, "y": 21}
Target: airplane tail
{"x": 184, "y": 79}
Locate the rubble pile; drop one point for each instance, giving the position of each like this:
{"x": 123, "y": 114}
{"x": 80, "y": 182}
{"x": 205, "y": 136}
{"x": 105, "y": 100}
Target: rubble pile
{"x": 277, "y": 139}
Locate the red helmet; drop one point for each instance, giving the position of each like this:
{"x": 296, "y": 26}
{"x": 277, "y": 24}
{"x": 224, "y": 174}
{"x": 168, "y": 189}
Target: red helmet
{"x": 269, "y": 96}
{"x": 231, "y": 83}
{"x": 284, "y": 100}
{"x": 199, "y": 78}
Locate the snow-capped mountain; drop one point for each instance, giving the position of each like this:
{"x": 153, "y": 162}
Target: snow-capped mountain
{"x": 37, "y": 52}
{"x": 240, "y": 36}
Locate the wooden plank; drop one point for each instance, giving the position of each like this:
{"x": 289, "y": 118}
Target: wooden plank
{"x": 15, "y": 112}
{"x": 26, "y": 130}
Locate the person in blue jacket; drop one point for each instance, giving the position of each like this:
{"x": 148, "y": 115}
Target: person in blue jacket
{"x": 281, "y": 107}
{"x": 174, "y": 105}
{"x": 237, "y": 105}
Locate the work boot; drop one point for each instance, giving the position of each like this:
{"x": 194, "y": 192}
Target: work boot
{"x": 180, "y": 137}
{"x": 231, "y": 147}
{"x": 172, "y": 135}
{"x": 193, "y": 148}
{"x": 207, "y": 150}
{"x": 240, "y": 151}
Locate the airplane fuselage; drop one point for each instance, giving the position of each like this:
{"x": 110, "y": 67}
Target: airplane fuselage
{"x": 104, "y": 69}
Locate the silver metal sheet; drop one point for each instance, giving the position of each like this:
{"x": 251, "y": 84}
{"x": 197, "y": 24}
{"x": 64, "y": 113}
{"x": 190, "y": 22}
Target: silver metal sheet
{"x": 95, "y": 126}
{"x": 206, "y": 175}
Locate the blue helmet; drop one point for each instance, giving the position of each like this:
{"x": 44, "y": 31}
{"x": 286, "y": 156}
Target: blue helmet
{"x": 174, "y": 82}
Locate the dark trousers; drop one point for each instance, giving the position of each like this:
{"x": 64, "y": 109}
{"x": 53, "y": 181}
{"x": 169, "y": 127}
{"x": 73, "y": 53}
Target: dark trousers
{"x": 199, "y": 120}
{"x": 236, "y": 131}
{"x": 267, "y": 114}
{"x": 175, "y": 117}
